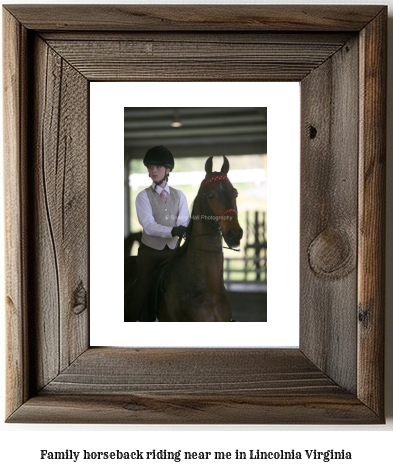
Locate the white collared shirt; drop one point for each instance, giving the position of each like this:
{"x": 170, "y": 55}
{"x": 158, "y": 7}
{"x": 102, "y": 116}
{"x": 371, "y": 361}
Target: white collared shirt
{"x": 145, "y": 213}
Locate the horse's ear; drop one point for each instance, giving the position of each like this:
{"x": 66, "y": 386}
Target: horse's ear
{"x": 209, "y": 165}
{"x": 225, "y": 166}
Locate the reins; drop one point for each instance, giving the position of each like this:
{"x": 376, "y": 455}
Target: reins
{"x": 186, "y": 240}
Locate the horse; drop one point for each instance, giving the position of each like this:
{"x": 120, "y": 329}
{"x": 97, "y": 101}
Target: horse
{"x": 193, "y": 287}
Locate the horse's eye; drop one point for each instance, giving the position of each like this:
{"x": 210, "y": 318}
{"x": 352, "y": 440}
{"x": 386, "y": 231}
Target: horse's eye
{"x": 210, "y": 195}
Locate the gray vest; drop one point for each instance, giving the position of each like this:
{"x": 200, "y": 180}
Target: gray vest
{"x": 164, "y": 213}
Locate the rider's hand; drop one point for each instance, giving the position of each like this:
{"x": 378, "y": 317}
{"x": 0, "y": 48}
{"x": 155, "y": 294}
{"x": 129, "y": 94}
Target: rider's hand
{"x": 178, "y": 231}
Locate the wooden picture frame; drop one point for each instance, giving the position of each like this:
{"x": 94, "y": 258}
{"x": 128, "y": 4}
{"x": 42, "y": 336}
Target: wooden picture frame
{"x": 338, "y": 54}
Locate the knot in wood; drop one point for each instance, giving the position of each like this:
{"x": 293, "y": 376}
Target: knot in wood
{"x": 331, "y": 254}
{"x": 80, "y": 299}
{"x": 313, "y": 132}
{"x": 364, "y": 317}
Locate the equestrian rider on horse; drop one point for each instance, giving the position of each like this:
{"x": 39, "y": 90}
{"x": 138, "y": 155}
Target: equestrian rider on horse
{"x": 163, "y": 214}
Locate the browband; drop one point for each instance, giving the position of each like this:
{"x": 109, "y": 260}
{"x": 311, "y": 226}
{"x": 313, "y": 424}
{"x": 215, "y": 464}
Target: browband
{"x": 219, "y": 177}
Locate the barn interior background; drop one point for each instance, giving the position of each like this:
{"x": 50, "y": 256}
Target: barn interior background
{"x": 193, "y": 134}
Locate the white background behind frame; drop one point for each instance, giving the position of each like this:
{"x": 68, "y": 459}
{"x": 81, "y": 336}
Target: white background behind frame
{"x": 107, "y": 102}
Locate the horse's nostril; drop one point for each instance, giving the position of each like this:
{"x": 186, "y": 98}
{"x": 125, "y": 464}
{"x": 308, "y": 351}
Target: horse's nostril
{"x": 235, "y": 234}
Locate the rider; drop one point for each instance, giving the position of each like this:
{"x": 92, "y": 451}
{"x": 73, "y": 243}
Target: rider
{"x": 163, "y": 214}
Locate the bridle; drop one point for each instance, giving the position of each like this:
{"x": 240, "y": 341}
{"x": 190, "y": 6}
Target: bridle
{"x": 217, "y": 227}
{"x": 219, "y": 177}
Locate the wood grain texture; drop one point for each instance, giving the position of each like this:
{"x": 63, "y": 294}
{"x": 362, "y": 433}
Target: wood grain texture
{"x": 201, "y": 37}
{"x": 216, "y": 60}
{"x": 52, "y": 374}
{"x": 372, "y": 173}
{"x": 60, "y": 217}
{"x": 16, "y": 229}
{"x": 329, "y": 173}
{"x": 192, "y": 17}
{"x": 193, "y": 386}
{"x": 198, "y": 371}
{"x": 239, "y": 409}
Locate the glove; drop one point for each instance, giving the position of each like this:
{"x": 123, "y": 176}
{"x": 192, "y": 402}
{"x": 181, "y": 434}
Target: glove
{"x": 178, "y": 231}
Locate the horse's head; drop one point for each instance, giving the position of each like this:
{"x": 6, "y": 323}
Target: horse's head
{"x": 220, "y": 196}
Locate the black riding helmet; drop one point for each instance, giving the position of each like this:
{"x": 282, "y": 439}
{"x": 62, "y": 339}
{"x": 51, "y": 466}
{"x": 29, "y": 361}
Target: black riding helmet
{"x": 160, "y": 156}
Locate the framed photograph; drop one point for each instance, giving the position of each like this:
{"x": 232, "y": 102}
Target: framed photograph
{"x": 52, "y": 55}
{"x": 219, "y": 174}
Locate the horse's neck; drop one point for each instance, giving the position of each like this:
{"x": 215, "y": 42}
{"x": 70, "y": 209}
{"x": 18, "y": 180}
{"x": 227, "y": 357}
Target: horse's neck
{"x": 205, "y": 236}
{"x": 206, "y": 228}
{"x": 205, "y": 251}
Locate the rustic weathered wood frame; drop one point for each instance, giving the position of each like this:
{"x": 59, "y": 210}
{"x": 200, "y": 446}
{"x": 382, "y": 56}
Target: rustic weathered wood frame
{"x": 338, "y": 54}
